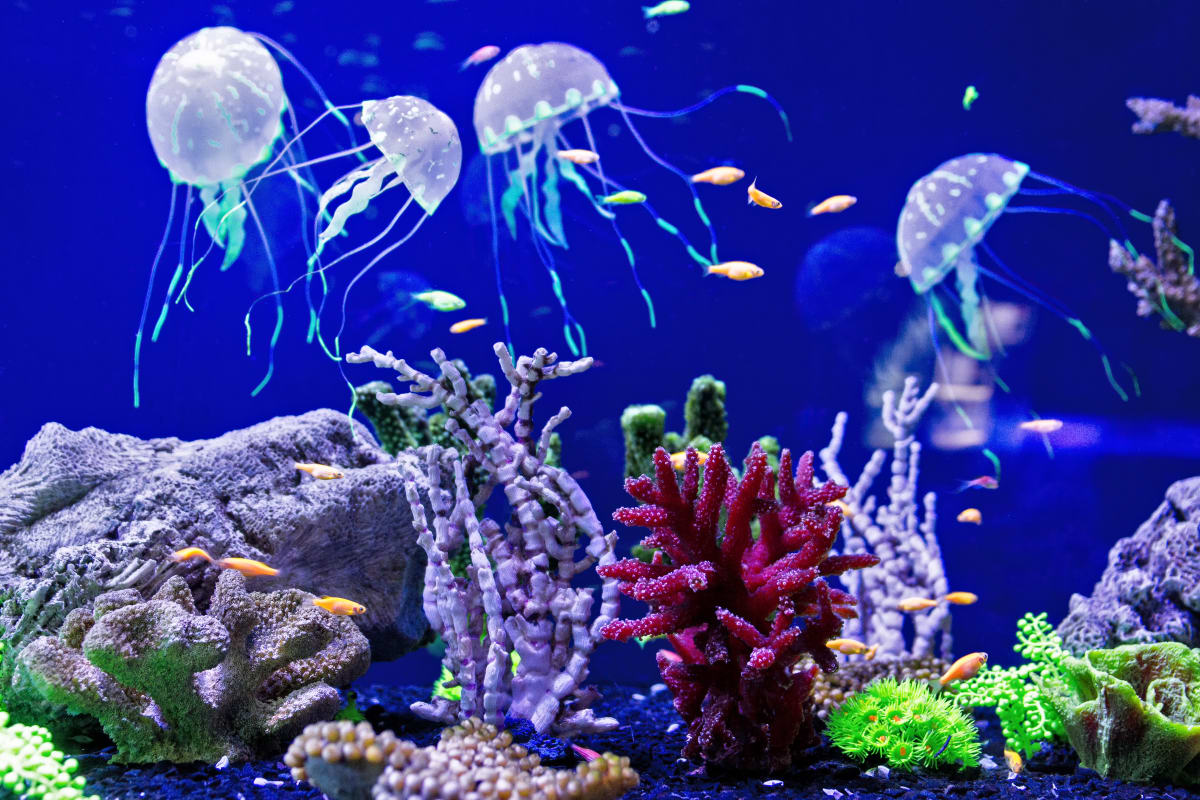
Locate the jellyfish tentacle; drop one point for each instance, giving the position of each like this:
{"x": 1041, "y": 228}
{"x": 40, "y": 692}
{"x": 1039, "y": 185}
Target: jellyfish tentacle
{"x": 547, "y": 258}
{"x": 137, "y": 341}
{"x": 741, "y": 87}
{"x": 1101, "y": 200}
{"x": 496, "y": 258}
{"x": 278, "y": 302}
{"x": 166, "y": 306}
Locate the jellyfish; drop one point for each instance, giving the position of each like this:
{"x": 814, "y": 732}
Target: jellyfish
{"x": 215, "y": 110}
{"x": 943, "y": 229}
{"x": 521, "y": 109}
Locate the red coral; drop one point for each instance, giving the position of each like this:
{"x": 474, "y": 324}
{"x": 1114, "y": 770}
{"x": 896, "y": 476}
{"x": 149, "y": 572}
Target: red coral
{"x": 728, "y": 601}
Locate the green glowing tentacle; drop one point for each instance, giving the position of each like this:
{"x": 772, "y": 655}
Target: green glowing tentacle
{"x": 274, "y": 340}
{"x": 233, "y": 223}
{"x": 568, "y": 171}
{"x": 633, "y": 266}
{"x": 757, "y": 92}
{"x": 556, "y": 283}
{"x": 582, "y": 339}
{"x": 707, "y": 224}
{"x": 509, "y": 200}
{"x": 162, "y": 315}
{"x": 995, "y": 459}
{"x": 362, "y": 193}
{"x": 550, "y": 205}
{"x": 947, "y": 325}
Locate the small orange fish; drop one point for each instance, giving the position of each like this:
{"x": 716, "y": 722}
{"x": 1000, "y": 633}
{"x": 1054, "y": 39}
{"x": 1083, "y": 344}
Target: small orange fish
{"x": 1042, "y": 425}
{"x": 848, "y": 647}
{"x": 970, "y": 515}
{"x": 916, "y": 604}
{"x": 982, "y": 482}
{"x": 248, "y": 567}
{"x": 847, "y": 512}
{"x": 1013, "y": 758}
{"x": 462, "y": 326}
{"x": 321, "y": 471}
{"x": 679, "y": 460}
{"x": 870, "y": 654}
{"x": 961, "y": 598}
{"x": 966, "y": 667}
{"x": 580, "y": 157}
{"x": 189, "y": 553}
{"x": 485, "y": 53}
{"x": 833, "y": 205}
{"x": 759, "y": 197}
{"x": 339, "y": 605}
{"x": 719, "y": 176}
{"x": 736, "y": 270}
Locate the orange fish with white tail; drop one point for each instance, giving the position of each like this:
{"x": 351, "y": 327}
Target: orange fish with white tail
{"x": 758, "y": 197}
{"x": 833, "y": 205}
{"x": 719, "y": 176}
{"x": 736, "y": 270}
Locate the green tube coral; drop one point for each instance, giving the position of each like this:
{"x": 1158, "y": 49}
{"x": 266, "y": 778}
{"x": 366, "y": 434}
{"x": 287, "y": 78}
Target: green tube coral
{"x": 1133, "y": 712}
{"x": 30, "y": 766}
{"x": 905, "y": 724}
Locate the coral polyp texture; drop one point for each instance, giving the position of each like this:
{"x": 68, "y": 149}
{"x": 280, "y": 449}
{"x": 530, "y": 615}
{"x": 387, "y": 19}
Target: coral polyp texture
{"x": 1133, "y": 712}
{"x": 1150, "y": 590}
{"x": 1163, "y": 116}
{"x": 1168, "y": 289}
{"x": 168, "y": 683}
{"x": 906, "y": 725}
{"x": 831, "y": 689}
{"x": 472, "y": 760}
{"x": 645, "y": 431}
{"x": 518, "y": 595}
{"x": 31, "y": 767}
{"x": 728, "y": 602}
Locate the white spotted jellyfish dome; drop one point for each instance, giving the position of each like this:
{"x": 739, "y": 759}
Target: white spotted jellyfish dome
{"x": 420, "y": 142}
{"x": 214, "y": 105}
{"x": 949, "y": 210}
{"x": 532, "y": 84}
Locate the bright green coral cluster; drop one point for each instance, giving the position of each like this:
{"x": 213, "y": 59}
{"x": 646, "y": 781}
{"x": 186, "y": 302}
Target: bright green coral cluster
{"x": 906, "y": 724}
{"x": 1133, "y": 712}
{"x": 30, "y": 766}
{"x": 1026, "y": 716}
{"x": 645, "y": 431}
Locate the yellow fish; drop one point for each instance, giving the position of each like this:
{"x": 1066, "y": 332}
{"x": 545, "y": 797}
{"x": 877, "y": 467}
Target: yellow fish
{"x": 759, "y": 197}
{"x": 321, "y": 471}
{"x": 833, "y": 205}
{"x": 580, "y": 157}
{"x": 970, "y": 515}
{"x": 961, "y": 598}
{"x": 189, "y": 553}
{"x": 719, "y": 176}
{"x": 1014, "y": 760}
{"x": 736, "y": 270}
{"x": 916, "y": 604}
{"x": 462, "y": 326}
{"x": 844, "y": 506}
{"x": 849, "y": 647}
{"x": 339, "y": 605}
{"x": 625, "y": 197}
{"x": 966, "y": 667}
{"x": 1042, "y": 425}
{"x": 248, "y": 567}
{"x": 679, "y": 460}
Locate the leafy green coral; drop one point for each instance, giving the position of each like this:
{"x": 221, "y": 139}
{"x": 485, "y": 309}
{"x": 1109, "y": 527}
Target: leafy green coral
{"x": 1026, "y": 716}
{"x": 1133, "y": 712}
{"x": 906, "y": 724}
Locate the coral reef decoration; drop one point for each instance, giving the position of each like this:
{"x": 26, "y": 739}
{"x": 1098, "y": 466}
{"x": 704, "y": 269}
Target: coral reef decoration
{"x": 905, "y": 724}
{"x": 1027, "y": 717}
{"x": 1163, "y": 116}
{"x": 740, "y": 611}
{"x": 517, "y": 596}
{"x": 1150, "y": 590}
{"x": 1169, "y": 288}
{"x": 1133, "y": 712}
{"x": 472, "y": 760}
{"x": 901, "y": 532}
{"x": 168, "y": 683}
{"x": 831, "y": 689}
{"x": 31, "y": 767}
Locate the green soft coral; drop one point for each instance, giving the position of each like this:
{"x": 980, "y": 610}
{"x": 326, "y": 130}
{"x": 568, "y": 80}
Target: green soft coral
{"x": 1027, "y": 718}
{"x": 906, "y": 724}
{"x": 1133, "y": 712}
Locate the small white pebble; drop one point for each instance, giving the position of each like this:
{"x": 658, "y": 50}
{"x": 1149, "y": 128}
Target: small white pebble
{"x": 260, "y": 781}
{"x": 681, "y": 761}
{"x": 638, "y": 697}
{"x": 674, "y": 726}
{"x": 775, "y": 782}
{"x": 223, "y": 763}
{"x": 658, "y": 688}
{"x": 987, "y": 762}
{"x": 834, "y": 793}
{"x": 878, "y": 772}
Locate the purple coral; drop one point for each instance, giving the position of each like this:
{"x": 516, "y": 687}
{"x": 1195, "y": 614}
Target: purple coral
{"x": 521, "y": 574}
{"x": 727, "y": 600}
{"x": 1168, "y": 288}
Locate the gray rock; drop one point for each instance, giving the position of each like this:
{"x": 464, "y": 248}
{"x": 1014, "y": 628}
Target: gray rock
{"x": 87, "y": 512}
{"x": 1150, "y": 590}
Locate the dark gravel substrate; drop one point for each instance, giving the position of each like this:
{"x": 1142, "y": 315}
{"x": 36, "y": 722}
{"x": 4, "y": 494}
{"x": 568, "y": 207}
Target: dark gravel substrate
{"x": 648, "y": 737}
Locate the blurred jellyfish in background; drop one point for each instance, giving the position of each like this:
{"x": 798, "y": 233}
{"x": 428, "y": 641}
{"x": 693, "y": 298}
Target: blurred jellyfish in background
{"x": 843, "y": 275}
{"x": 215, "y": 110}
{"x": 525, "y": 102}
{"x": 942, "y": 231}
{"x": 418, "y": 148}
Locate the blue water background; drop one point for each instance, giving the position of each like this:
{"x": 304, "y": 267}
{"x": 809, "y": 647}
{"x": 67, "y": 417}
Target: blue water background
{"x": 874, "y": 93}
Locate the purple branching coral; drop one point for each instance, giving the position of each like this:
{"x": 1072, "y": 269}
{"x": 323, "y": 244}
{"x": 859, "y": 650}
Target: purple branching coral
{"x": 1169, "y": 288}
{"x": 898, "y": 532}
{"x": 517, "y": 595}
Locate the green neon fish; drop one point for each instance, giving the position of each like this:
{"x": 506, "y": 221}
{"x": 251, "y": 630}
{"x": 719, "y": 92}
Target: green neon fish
{"x": 627, "y": 197}
{"x": 440, "y": 301}
{"x": 969, "y": 97}
{"x": 666, "y": 8}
